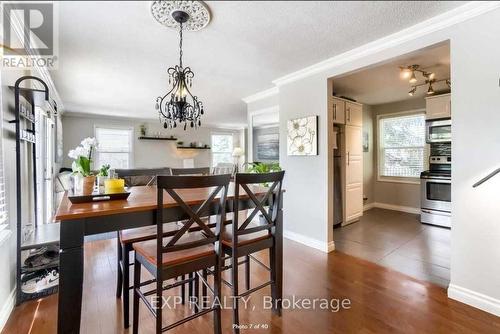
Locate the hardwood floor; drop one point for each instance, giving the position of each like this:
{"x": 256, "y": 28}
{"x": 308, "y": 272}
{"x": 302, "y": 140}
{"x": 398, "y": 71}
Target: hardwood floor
{"x": 399, "y": 241}
{"x": 382, "y": 300}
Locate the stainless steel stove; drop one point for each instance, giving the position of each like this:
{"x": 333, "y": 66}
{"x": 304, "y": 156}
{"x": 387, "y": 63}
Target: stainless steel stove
{"x": 436, "y": 189}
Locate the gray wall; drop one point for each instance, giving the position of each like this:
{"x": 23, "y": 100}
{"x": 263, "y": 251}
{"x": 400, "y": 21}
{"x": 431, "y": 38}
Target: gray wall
{"x": 387, "y": 192}
{"x": 147, "y": 153}
{"x": 306, "y": 179}
{"x": 262, "y": 131}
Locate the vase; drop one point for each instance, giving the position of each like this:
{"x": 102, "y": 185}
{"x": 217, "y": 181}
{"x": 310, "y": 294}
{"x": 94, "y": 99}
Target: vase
{"x": 88, "y": 183}
{"x": 100, "y": 183}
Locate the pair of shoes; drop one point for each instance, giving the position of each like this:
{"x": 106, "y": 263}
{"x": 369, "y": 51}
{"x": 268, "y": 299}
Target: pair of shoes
{"x": 39, "y": 280}
{"x": 42, "y": 257}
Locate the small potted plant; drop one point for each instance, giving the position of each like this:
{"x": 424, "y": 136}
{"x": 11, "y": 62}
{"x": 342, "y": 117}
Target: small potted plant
{"x": 82, "y": 171}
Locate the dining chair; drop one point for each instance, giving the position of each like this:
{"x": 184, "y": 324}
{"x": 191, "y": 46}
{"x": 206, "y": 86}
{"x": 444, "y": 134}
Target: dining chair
{"x": 191, "y": 171}
{"x": 187, "y": 251}
{"x": 126, "y": 238}
{"x": 224, "y": 168}
{"x": 242, "y": 239}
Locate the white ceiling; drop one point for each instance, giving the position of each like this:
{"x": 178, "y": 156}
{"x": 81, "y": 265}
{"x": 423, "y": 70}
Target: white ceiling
{"x": 113, "y": 55}
{"x": 382, "y": 83}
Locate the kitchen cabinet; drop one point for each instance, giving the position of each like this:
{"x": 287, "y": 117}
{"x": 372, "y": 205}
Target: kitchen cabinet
{"x": 438, "y": 106}
{"x": 353, "y": 114}
{"x": 353, "y": 173}
{"x": 338, "y": 111}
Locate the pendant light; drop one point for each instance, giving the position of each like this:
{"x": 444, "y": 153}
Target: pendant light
{"x": 179, "y": 106}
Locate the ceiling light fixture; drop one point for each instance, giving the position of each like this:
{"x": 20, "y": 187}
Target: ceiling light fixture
{"x": 413, "y": 78}
{"x": 430, "y": 90}
{"x": 179, "y": 106}
{"x": 410, "y": 72}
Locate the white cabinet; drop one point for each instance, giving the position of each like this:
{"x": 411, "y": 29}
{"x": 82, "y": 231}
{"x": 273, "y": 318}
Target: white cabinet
{"x": 438, "y": 106}
{"x": 338, "y": 111}
{"x": 353, "y": 173}
{"x": 354, "y": 114}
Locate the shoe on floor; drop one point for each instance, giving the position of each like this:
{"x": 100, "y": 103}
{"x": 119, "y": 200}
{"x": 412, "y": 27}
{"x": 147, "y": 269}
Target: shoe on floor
{"x": 39, "y": 280}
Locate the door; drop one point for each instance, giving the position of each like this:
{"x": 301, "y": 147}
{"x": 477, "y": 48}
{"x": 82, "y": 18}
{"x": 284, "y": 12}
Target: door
{"x": 44, "y": 166}
{"x": 338, "y": 110}
{"x": 353, "y": 165}
{"x": 354, "y": 114}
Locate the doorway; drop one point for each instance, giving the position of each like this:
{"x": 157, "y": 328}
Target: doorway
{"x": 397, "y": 99}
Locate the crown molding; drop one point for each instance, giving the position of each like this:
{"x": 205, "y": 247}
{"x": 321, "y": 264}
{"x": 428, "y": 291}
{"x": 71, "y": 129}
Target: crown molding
{"x": 261, "y": 95}
{"x": 436, "y": 23}
{"x": 43, "y": 72}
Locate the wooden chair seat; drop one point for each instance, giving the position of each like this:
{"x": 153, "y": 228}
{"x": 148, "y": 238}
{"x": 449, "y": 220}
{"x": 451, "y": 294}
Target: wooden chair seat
{"x": 144, "y": 233}
{"x": 139, "y": 234}
{"x": 148, "y": 249}
{"x": 245, "y": 239}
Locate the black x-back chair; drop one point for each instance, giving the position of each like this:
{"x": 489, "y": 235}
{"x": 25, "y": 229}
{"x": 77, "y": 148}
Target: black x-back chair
{"x": 193, "y": 248}
{"x": 243, "y": 238}
{"x": 126, "y": 238}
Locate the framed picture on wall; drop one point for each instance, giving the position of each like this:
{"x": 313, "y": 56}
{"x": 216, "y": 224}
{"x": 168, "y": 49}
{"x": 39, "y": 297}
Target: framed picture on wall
{"x": 302, "y": 136}
{"x": 268, "y": 146}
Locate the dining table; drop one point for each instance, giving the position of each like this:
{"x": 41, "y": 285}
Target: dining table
{"x": 138, "y": 210}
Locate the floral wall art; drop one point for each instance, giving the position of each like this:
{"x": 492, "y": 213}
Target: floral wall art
{"x": 302, "y": 137}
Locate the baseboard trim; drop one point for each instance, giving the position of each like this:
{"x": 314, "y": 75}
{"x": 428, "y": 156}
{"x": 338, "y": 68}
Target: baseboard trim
{"x": 474, "y": 299}
{"x": 310, "y": 242}
{"x": 407, "y": 209}
{"x": 7, "y": 308}
{"x": 368, "y": 206}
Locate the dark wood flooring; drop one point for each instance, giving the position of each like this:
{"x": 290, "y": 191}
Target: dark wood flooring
{"x": 382, "y": 300}
{"x": 399, "y": 241}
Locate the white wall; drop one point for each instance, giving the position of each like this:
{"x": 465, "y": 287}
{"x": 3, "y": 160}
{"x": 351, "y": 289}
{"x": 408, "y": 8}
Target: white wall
{"x": 147, "y": 153}
{"x": 475, "y": 59}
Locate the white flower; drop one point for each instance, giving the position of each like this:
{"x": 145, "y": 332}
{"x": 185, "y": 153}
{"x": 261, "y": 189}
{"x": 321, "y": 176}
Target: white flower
{"x": 78, "y": 152}
{"x": 89, "y": 142}
{"x": 72, "y": 154}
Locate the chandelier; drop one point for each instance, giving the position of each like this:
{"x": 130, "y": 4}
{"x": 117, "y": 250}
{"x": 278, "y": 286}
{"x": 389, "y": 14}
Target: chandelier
{"x": 429, "y": 79}
{"x": 179, "y": 107}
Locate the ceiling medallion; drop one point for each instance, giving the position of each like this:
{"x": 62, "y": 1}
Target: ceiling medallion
{"x": 198, "y": 12}
{"x": 179, "y": 106}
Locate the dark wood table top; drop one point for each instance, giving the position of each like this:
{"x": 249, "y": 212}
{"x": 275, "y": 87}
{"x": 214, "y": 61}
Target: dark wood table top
{"x": 142, "y": 198}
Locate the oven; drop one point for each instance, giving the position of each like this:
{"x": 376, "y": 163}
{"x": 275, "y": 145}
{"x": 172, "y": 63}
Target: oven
{"x": 435, "y": 198}
{"x": 438, "y": 131}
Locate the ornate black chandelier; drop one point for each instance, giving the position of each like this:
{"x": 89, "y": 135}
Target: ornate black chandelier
{"x": 179, "y": 107}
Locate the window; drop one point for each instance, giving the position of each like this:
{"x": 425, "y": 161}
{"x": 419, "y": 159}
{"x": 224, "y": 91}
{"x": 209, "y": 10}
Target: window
{"x": 114, "y": 147}
{"x": 222, "y": 148}
{"x": 401, "y": 146}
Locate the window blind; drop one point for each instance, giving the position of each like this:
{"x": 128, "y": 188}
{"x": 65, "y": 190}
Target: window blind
{"x": 402, "y": 144}
{"x": 222, "y": 149}
{"x": 114, "y": 147}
